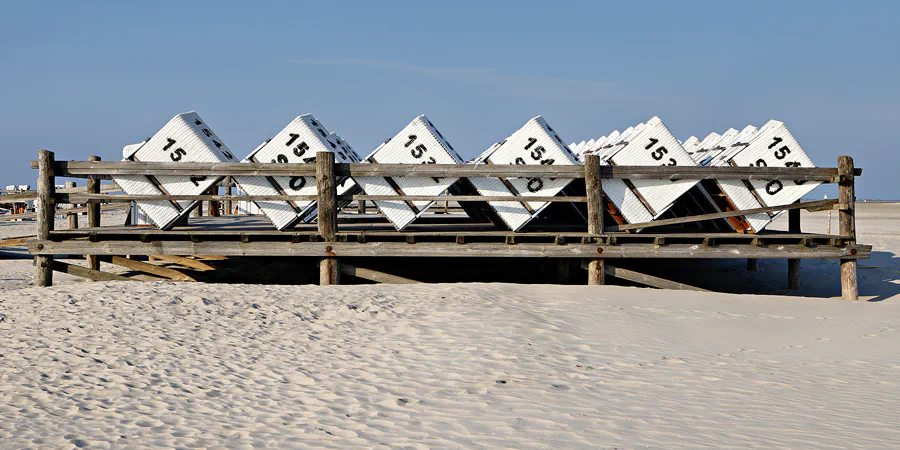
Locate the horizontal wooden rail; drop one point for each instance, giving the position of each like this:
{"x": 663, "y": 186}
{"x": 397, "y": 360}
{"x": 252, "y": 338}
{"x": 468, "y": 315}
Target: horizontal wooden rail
{"x": 82, "y": 169}
{"x": 106, "y": 198}
{"x": 814, "y": 206}
{"x": 444, "y": 249}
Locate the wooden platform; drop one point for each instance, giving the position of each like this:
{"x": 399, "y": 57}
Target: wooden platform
{"x": 435, "y": 236}
{"x": 366, "y": 236}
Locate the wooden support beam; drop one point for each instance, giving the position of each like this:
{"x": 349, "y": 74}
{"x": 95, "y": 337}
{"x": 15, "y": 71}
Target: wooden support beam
{"x": 374, "y": 275}
{"x": 326, "y": 189}
{"x": 180, "y": 260}
{"x": 80, "y": 169}
{"x": 151, "y": 269}
{"x": 723, "y": 215}
{"x": 564, "y": 269}
{"x": 752, "y": 265}
{"x": 646, "y": 280}
{"x": 649, "y": 280}
{"x": 93, "y": 211}
{"x": 45, "y": 219}
{"x": 71, "y": 218}
{"x": 847, "y": 221}
{"x": 794, "y": 264}
{"x": 84, "y": 272}
{"x": 165, "y": 248}
{"x": 594, "y": 188}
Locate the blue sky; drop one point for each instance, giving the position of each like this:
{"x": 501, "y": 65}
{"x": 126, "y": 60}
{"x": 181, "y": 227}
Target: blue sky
{"x": 84, "y": 78}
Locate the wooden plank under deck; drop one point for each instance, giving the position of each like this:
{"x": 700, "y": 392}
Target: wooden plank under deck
{"x": 444, "y": 249}
{"x": 378, "y": 227}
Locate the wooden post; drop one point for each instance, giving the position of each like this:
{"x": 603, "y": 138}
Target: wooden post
{"x": 71, "y": 218}
{"x": 794, "y": 264}
{"x": 93, "y": 187}
{"x": 752, "y": 264}
{"x": 361, "y": 207}
{"x": 228, "y": 184}
{"x": 564, "y": 266}
{"x": 213, "y": 210}
{"x": 327, "y": 214}
{"x": 847, "y": 216}
{"x": 45, "y": 216}
{"x": 596, "y": 267}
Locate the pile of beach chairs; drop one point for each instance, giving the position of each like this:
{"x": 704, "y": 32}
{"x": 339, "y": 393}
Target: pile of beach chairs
{"x": 187, "y": 138}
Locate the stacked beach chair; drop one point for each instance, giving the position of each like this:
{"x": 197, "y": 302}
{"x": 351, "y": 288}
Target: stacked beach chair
{"x": 772, "y": 145}
{"x": 297, "y": 143}
{"x": 536, "y": 143}
{"x": 646, "y": 144}
{"x": 418, "y": 143}
{"x": 185, "y": 138}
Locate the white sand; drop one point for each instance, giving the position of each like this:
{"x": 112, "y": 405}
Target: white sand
{"x": 448, "y": 366}
{"x": 443, "y": 366}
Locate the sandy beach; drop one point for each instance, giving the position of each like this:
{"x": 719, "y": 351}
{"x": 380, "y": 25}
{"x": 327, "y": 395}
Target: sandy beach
{"x": 191, "y": 365}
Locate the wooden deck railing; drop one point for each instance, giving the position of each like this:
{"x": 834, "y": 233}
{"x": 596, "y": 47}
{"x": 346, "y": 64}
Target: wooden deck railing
{"x": 326, "y": 171}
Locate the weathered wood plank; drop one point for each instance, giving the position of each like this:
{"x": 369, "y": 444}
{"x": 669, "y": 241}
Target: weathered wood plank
{"x": 45, "y": 220}
{"x": 180, "y": 260}
{"x": 228, "y": 183}
{"x": 256, "y": 226}
{"x": 110, "y": 168}
{"x": 116, "y": 198}
{"x": 326, "y": 189}
{"x": 725, "y": 214}
{"x": 374, "y": 275}
{"x": 648, "y": 280}
{"x": 16, "y": 241}
{"x": 594, "y": 190}
{"x": 445, "y": 249}
{"x": 847, "y": 221}
{"x": 152, "y": 269}
{"x": 84, "y": 272}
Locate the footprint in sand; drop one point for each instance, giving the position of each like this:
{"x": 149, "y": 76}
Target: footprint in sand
{"x": 673, "y": 360}
{"x": 823, "y": 339}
